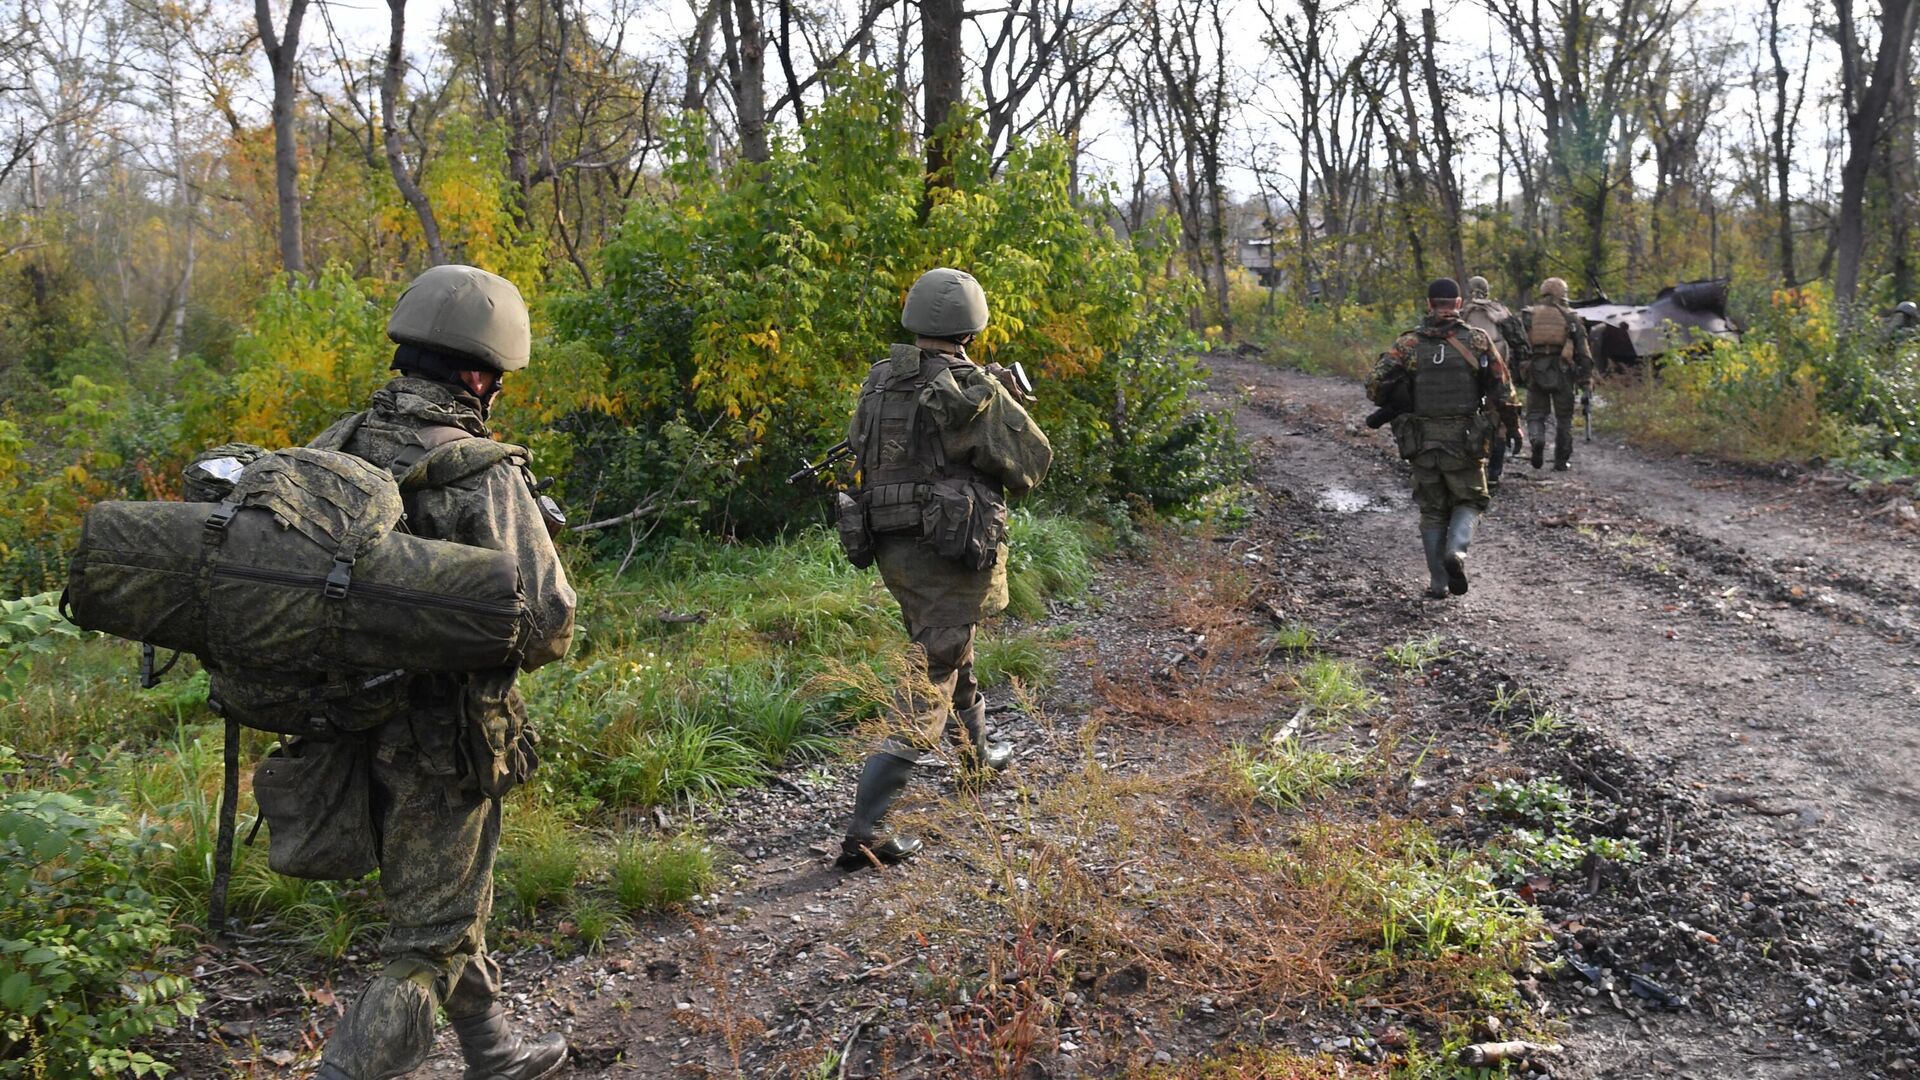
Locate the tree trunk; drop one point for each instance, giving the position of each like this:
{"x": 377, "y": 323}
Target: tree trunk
{"x": 943, "y": 71}
{"x": 283, "y": 53}
{"x": 693, "y": 97}
{"x": 1782, "y": 147}
{"x": 403, "y": 177}
{"x": 1868, "y": 97}
{"x": 1443, "y": 153}
{"x": 750, "y": 81}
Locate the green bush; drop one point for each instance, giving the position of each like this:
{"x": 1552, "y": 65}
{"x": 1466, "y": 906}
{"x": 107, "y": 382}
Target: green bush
{"x": 85, "y": 954}
{"x": 738, "y": 315}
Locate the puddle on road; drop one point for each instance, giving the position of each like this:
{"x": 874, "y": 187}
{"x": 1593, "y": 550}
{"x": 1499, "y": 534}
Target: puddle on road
{"x": 1345, "y": 500}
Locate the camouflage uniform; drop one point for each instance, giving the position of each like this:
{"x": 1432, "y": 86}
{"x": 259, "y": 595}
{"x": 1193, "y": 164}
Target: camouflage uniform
{"x": 1551, "y": 380}
{"x": 438, "y": 833}
{"x": 1461, "y": 398}
{"x": 1509, "y": 336}
{"x": 942, "y": 601}
{"x": 928, "y": 414}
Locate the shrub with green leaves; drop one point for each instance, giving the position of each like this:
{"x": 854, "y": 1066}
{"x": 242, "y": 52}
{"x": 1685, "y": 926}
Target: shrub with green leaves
{"x": 85, "y": 954}
{"x": 743, "y": 309}
{"x": 29, "y": 626}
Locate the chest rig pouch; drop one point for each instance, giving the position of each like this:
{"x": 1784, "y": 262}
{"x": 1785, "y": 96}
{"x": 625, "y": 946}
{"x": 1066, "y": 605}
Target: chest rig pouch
{"x": 910, "y": 487}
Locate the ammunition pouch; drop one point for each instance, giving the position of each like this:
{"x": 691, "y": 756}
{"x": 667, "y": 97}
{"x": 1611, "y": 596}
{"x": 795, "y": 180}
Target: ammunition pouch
{"x": 316, "y": 799}
{"x": 311, "y": 706}
{"x": 1408, "y": 434}
{"x": 895, "y": 508}
{"x": 497, "y": 750}
{"x": 856, "y": 537}
{"x": 965, "y": 521}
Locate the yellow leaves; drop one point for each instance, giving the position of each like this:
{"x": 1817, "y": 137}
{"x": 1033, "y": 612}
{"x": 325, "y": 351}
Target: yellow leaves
{"x": 768, "y": 339}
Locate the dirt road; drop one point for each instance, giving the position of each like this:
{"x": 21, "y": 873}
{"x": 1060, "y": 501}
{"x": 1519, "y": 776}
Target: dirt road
{"x": 1732, "y": 656}
{"x": 1754, "y": 635}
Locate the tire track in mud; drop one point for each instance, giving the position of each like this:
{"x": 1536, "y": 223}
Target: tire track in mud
{"x": 1769, "y": 678}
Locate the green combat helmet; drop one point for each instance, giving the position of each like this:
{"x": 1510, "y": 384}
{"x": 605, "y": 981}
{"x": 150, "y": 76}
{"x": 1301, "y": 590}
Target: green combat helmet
{"x": 1477, "y": 288}
{"x": 945, "y": 303}
{"x": 467, "y": 311}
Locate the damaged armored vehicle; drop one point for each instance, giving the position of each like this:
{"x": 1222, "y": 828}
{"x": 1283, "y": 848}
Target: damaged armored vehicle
{"x": 1682, "y": 315}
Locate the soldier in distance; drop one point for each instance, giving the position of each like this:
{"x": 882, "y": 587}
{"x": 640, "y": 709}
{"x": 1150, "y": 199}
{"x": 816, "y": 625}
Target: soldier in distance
{"x": 1509, "y": 336}
{"x": 1557, "y": 362}
{"x": 1461, "y": 400}
{"x": 440, "y": 770}
{"x": 940, "y": 443}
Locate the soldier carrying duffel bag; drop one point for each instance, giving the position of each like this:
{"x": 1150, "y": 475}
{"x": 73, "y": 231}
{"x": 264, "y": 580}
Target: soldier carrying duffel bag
{"x": 373, "y": 597}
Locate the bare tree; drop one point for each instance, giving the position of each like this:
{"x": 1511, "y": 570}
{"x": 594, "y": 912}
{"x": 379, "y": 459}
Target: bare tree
{"x": 1869, "y": 74}
{"x": 1781, "y": 135}
{"x": 405, "y": 177}
{"x": 282, "y": 46}
{"x": 1442, "y": 153}
{"x": 943, "y": 78}
{"x": 1585, "y": 59}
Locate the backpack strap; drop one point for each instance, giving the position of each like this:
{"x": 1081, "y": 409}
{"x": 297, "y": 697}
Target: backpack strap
{"x": 425, "y": 441}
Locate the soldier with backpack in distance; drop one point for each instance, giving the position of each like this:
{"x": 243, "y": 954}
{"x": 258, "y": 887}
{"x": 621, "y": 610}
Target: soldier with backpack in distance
{"x": 941, "y": 442}
{"x": 439, "y": 770}
{"x": 1557, "y": 362}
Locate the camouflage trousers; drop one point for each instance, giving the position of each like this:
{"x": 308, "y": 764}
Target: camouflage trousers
{"x": 1558, "y": 402}
{"x": 437, "y": 844}
{"x": 923, "y": 708}
{"x": 1442, "y": 481}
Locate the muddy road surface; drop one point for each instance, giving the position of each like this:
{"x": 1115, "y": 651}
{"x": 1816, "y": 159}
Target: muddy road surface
{"x": 1754, "y": 635}
{"x": 1722, "y": 665}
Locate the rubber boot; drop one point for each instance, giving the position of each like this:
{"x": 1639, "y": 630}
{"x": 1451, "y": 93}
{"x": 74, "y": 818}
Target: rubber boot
{"x": 493, "y": 1052}
{"x": 386, "y": 1033}
{"x": 1563, "y": 449}
{"x": 1459, "y": 535}
{"x": 881, "y": 780}
{"x": 982, "y": 753}
{"x": 1434, "y": 539}
{"x": 1539, "y": 453}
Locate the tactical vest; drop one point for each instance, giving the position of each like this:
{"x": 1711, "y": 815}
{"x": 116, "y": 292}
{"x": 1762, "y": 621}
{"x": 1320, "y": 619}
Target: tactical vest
{"x": 1547, "y": 326}
{"x": 898, "y": 446}
{"x": 1446, "y": 382}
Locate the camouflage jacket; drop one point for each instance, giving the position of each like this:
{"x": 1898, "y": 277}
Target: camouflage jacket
{"x": 1496, "y": 387}
{"x": 468, "y": 726}
{"x": 982, "y": 427}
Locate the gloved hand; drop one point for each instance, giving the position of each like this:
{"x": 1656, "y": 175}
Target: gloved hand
{"x": 1514, "y": 443}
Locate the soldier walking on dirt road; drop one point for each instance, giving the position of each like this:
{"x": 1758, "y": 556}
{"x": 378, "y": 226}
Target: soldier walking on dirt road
{"x": 440, "y": 769}
{"x": 1509, "y": 336}
{"x": 1556, "y": 363}
{"x": 940, "y": 442}
{"x": 1450, "y": 378}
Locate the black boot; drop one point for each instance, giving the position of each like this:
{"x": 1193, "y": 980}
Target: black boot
{"x": 1459, "y": 535}
{"x": 881, "y": 781}
{"x": 493, "y": 1052}
{"x": 1539, "y": 453}
{"x": 1433, "y": 538}
{"x": 979, "y": 751}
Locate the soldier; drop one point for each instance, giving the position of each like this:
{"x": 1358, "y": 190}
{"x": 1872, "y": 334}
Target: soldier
{"x": 1509, "y": 340}
{"x": 439, "y": 771}
{"x": 940, "y": 442}
{"x": 1460, "y": 399}
{"x": 1556, "y": 362}
{"x": 1901, "y": 323}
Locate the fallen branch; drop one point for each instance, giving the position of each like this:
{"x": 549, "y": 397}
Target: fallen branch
{"x": 644, "y": 510}
{"x": 1493, "y": 1053}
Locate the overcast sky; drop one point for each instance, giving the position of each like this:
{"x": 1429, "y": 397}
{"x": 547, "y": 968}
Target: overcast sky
{"x": 1470, "y": 33}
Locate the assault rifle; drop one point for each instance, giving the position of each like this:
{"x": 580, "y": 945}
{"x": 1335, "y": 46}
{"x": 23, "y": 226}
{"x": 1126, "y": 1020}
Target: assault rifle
{"x": 808, "y": 470}
{"x": 1586, "y": 413}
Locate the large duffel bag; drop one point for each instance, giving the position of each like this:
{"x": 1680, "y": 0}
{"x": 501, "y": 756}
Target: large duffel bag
{"x": 301, "y": 569}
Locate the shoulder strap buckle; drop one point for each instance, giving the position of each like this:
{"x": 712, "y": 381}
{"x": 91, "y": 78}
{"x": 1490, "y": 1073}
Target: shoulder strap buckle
{"x": 217, "y": 522}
